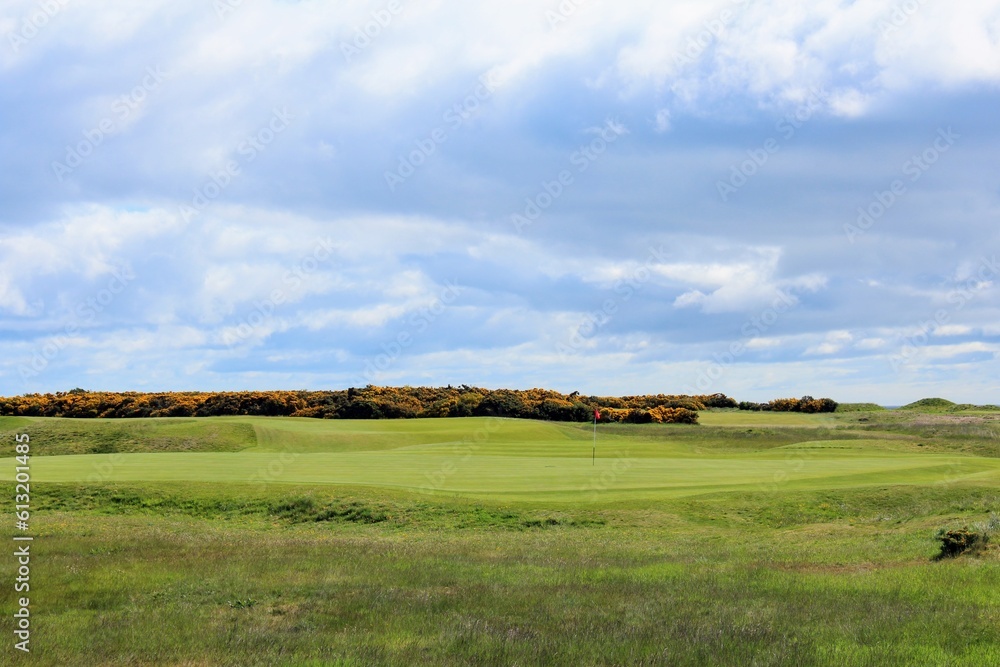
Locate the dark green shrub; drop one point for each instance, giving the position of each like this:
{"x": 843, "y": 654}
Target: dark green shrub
{"x": 956, "y": 542}
{"x": 967, "y": 540}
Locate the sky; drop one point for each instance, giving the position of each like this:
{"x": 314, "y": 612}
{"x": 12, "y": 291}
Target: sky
{"x": 761, "y": 198}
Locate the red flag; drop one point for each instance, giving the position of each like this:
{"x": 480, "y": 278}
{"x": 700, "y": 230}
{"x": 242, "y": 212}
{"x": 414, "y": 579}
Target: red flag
{"x": 597, "y": 415}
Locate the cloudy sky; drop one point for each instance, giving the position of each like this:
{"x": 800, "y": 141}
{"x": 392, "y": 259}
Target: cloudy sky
{"x": 764, "y": 198}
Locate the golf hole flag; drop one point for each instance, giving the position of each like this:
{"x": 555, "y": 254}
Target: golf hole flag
{"x": 593, "y": 456}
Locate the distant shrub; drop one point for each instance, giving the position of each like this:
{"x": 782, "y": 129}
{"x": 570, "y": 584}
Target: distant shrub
{"x": 718, "y": 401}
{"x": 662, "y": 415}
{"x": 806, "y": 404}
{"x": 785, "y": 404}
{"x": 501, "y": 403}
{"x": 656, "y": 415}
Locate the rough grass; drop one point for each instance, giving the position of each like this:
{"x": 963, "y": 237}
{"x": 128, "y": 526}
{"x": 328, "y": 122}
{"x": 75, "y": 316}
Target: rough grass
{"x": 289, "y": 505}
{"x": 668, "y": 586}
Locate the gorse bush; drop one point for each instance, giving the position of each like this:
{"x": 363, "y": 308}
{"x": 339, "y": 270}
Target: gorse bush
{"x": 373, "y": 402}
{"x": 369, "y": 402}
{"x": 972, "y": 539}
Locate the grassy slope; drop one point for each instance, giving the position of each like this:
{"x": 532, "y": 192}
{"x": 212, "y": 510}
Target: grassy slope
{"x": 52, "y": 436}
{"x": 790, "y": 540}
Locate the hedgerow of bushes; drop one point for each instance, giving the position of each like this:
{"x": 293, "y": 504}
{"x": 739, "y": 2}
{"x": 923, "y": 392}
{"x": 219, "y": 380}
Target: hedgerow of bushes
{"x": 370, "y": 403}
{"x": 805, "y": 404}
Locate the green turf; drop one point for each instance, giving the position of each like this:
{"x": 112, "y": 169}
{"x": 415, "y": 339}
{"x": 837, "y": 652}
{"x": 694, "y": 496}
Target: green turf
{"x": 860, "y": 407}
{"x": 490, "y": 458}
{"x": 753, "y": 538}
{"x": 53, "y": 436}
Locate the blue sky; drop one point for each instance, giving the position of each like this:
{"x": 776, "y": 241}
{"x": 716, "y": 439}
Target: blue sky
{"x": 764, "y": 199}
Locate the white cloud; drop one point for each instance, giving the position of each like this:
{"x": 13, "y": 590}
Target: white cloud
{"x": 949, "y": 351}
{"x": 764, "y": 343}
{"x": 743, "y": 285}
{"x": 692, "y": 298}
{"x": 711, "y": 83}
{"x": 871, "y": 343}
{"x": 834, "y": 343}
{"x": 662, "y": 122}
{"x": 952, "y": 330}
{"x": 770, "y": 48}
{"x": 766, "y": 48}
{"x": 11, "y": 298}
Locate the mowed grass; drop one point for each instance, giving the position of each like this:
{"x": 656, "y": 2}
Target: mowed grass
{"x": 493, "y": 458}
{"x": 773, "y": 540}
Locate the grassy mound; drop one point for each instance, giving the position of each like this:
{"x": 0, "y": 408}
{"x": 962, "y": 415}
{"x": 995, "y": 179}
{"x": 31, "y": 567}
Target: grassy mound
{"x": 930, "y": 405}
{"x": 944, "y": 405}
{"x": 860, "y": 407}
{"x": 57, "y": 436}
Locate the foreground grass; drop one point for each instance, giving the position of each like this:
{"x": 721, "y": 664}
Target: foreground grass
{"x": 832, "y": 569}
{"x": 672, "y": 586}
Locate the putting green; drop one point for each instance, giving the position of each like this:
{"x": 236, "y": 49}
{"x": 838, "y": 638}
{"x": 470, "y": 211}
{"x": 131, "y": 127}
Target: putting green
{"x": 511, "y": 459}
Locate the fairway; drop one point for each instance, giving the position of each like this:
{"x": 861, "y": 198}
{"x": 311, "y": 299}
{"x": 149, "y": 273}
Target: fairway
{"x": 513, "y": 459}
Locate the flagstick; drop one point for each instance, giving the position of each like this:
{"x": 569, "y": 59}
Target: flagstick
{"x": 594, "y": 456}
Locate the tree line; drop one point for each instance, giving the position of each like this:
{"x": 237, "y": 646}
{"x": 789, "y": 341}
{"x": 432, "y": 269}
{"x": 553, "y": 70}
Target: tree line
{"x": 369, "y": 402}
{"x": 804, "y": 404}
{"x": 374, "y": 402}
